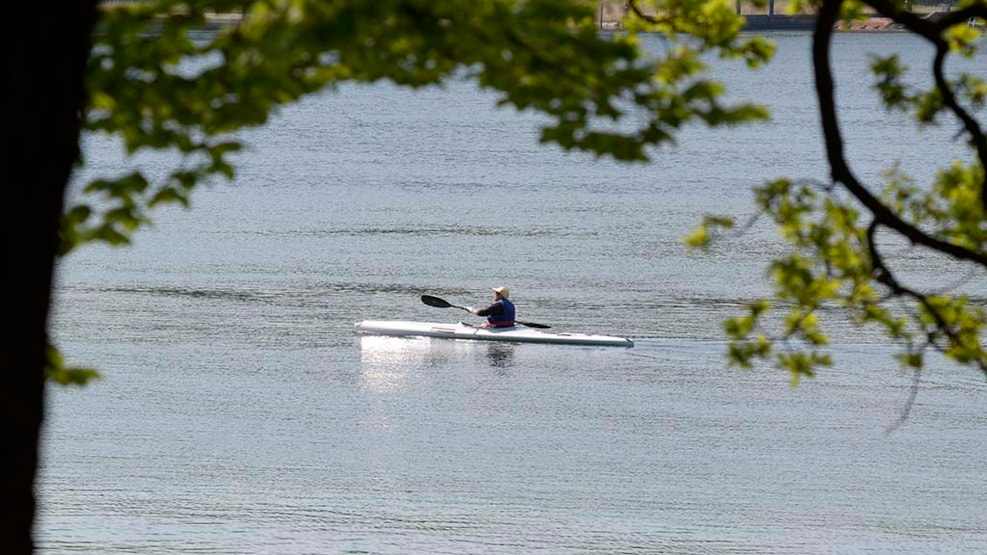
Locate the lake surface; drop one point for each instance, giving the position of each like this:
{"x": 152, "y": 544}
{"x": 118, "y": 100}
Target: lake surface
{"x": 238, "y": 413}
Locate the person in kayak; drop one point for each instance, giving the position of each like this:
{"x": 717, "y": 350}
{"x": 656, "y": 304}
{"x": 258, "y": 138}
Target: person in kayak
{"x": 500, "y": 314}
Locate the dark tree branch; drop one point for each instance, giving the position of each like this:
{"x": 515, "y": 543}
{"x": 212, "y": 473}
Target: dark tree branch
{"x": 933, "y": 32}
{"x": 640, "y": 13}
{"x": 884, "y": 276}
{"x": 829, "y": 13}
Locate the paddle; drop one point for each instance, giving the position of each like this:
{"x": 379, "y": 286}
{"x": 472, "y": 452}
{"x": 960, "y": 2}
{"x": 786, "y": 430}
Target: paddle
{"x": 442, "y": 303}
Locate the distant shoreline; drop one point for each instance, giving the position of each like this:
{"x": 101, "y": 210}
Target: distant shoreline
{"x": 764, "y": 22}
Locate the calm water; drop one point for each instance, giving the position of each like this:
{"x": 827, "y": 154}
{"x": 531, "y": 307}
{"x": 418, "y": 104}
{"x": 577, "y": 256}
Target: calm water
{"x": 240, "y": 414}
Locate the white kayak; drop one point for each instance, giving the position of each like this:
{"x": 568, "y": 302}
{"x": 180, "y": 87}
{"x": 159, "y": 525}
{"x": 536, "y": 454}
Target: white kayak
{"x": 515, "y": 334}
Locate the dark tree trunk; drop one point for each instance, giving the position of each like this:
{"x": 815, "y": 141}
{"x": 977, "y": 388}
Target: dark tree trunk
{"x": 45, "y": 50}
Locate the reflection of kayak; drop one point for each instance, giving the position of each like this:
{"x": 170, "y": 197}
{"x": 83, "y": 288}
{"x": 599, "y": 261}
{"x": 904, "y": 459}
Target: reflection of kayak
{"x": 464, "y": 331}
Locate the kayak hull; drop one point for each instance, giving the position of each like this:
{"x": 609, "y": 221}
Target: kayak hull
{"x": 515, "y": 334}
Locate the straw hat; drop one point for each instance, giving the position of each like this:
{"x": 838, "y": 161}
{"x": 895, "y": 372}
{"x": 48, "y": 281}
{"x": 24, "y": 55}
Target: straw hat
{"x": 504, "y": 292}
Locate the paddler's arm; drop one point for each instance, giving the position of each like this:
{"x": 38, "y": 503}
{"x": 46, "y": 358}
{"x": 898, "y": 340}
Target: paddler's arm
{"x": 495, "y": 309}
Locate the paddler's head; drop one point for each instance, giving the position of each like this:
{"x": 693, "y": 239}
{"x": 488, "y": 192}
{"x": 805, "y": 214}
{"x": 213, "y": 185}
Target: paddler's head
{"x": 501, "y": 292}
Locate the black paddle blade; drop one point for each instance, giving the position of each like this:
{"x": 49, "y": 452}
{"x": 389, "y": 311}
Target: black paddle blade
{"x": 533, "y": 325}
{"x": 435, "y": 301}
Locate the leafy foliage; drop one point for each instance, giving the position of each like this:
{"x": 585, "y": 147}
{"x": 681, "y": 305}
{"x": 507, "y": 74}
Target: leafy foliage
{"x": 839, "y": 232}
{"x": 542, "y": 55}
{"x": 56, "y": 371}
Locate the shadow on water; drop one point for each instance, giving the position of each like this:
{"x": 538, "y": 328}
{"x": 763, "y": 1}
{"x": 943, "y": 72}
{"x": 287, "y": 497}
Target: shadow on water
{"x": 501, "y": 355}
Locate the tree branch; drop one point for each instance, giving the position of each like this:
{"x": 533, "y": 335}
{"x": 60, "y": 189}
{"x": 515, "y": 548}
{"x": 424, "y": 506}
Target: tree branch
{"x": 884, "y": 275}
{"x": 933, "y": 31}
{"x": 829, "y": 13}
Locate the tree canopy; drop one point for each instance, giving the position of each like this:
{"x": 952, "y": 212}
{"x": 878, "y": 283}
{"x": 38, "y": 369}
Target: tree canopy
{"x": 146, "y": 73}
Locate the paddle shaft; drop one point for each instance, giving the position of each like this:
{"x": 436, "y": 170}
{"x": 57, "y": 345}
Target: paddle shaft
{"x": 442, "y": 303}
